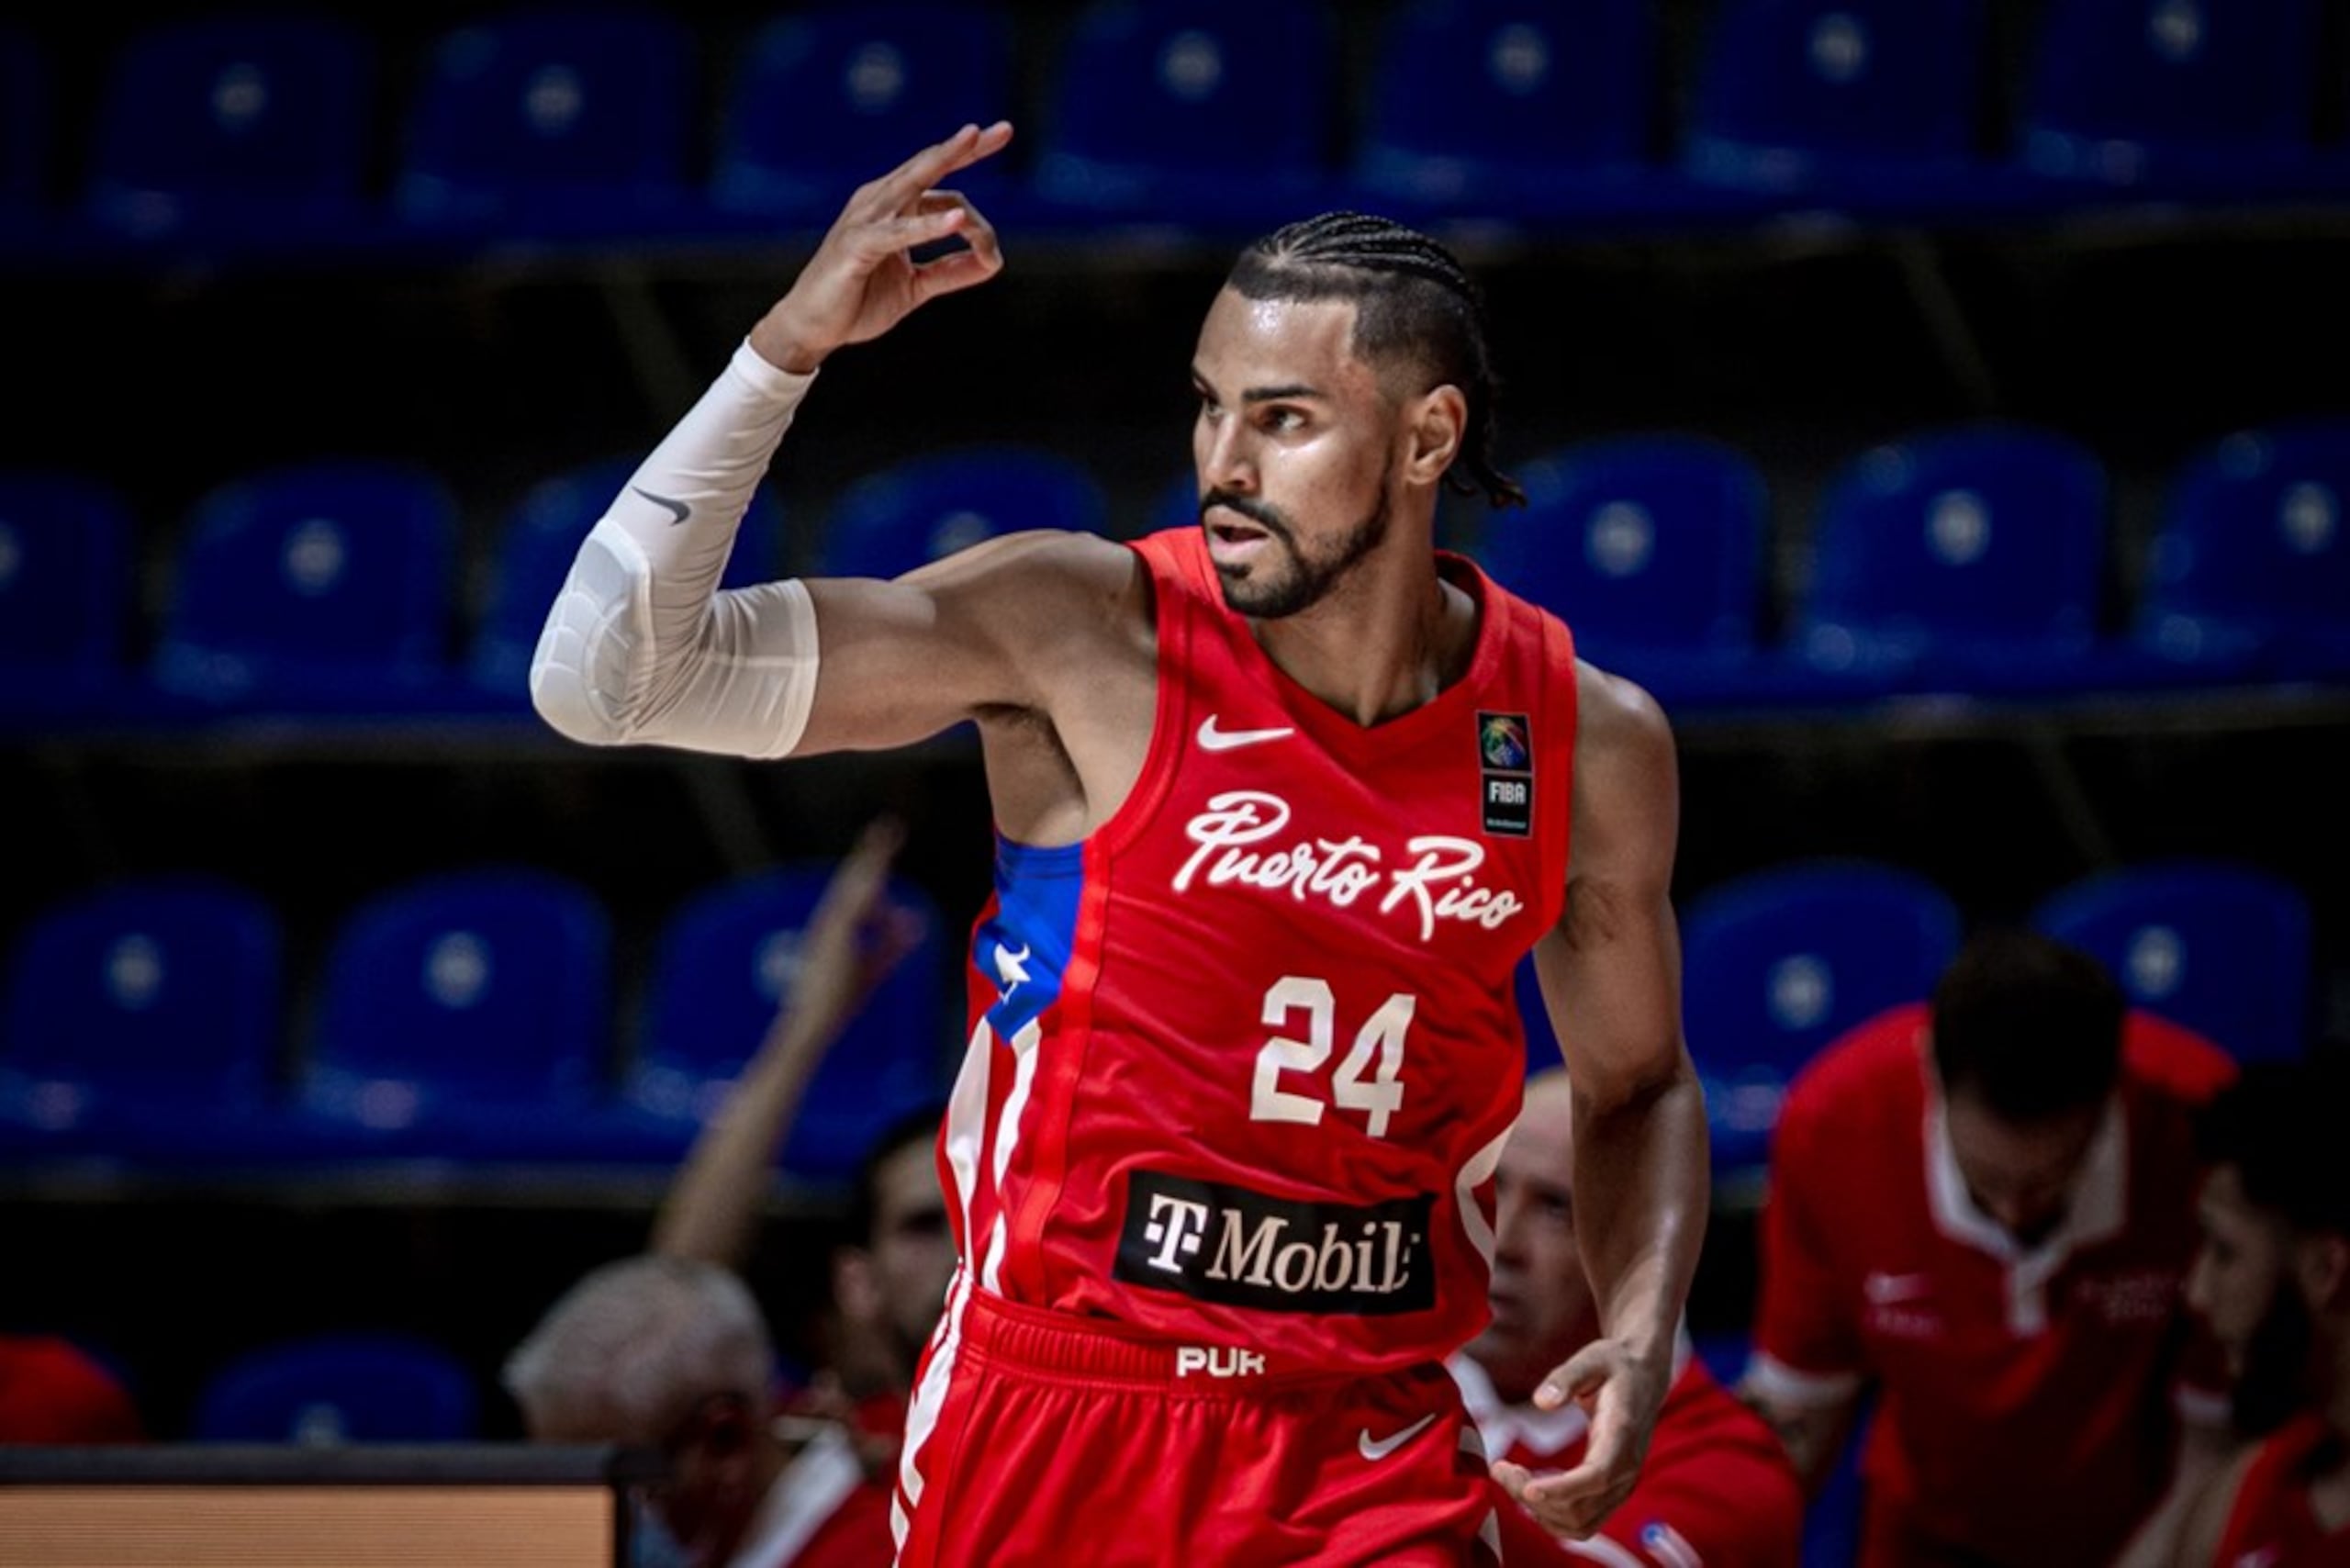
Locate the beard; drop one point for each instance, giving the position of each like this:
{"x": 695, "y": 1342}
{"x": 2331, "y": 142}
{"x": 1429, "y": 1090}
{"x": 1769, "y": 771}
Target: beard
{"x": 2275, "y": 1383}
{"x": 1296, "y": 581}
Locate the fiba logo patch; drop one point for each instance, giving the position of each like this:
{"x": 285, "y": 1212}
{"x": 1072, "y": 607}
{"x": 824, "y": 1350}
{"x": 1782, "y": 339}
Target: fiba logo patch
{"x": 1505, "y": 774}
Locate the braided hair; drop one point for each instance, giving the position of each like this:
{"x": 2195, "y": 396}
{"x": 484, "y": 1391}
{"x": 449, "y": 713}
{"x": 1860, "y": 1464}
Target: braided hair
{"x": 1413, "y": 305}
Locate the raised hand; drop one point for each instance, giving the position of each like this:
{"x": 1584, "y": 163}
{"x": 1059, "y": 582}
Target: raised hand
{"x": 861, "y": 281}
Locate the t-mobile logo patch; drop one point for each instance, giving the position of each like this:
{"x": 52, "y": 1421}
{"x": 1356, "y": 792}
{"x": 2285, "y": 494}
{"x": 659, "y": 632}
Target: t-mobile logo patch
{"x": 1238, "y": 1247}
{"x": 1174, "y": 1230}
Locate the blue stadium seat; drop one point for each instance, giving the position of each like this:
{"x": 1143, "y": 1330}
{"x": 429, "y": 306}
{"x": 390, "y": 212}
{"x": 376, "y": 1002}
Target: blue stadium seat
{"x": 459, "y": 1014}
{"x": 1651, "y": 548}
{"x": 726, "y": 961}
{"x": 140, "y": 1019}
{"x": 552, "y": 120}
{"x": 2252, "y": 566}
{"x": 1860, "y": 100}
{"x": 25, "y": 133}
{"x": 239, "y": 124}
{"x": 323, "y": 583}
{"x": 827, "y": 98}
{"x": 1967, "y": 559}
{"x": 2223, "y": 948}
{"x": 1781, "y": 962}
{"x": 912, "y": 512}
{"x": 339, "y": 1388}
{"x": 65, "y": 585}
{"x": 1507, "y": 105}
{"x": 2138, "y": 92}
{"x": 535, "y": 552}
{"x": 1208, "y": 111}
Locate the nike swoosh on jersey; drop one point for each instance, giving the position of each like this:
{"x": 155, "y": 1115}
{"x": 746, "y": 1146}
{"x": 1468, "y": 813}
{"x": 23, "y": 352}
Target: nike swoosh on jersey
{"x": 1213, "y": 739}
{"x": 678, "y": 511}
{"x": 1375, "y": 1450}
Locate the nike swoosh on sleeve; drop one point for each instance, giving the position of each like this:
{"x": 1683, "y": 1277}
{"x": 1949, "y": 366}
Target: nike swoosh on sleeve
{"x": 678, "y": 511}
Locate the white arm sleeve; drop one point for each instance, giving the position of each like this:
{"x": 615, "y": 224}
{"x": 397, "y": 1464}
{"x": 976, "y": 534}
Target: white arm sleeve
{"x": 640, "y": 645}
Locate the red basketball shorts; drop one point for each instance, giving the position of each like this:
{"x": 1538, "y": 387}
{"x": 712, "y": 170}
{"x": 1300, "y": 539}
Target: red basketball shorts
{"x": 1037, "y": 1442}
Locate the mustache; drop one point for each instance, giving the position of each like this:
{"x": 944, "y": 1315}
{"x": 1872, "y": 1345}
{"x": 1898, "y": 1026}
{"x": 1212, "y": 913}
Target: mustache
{"x": 1266, "y": 517}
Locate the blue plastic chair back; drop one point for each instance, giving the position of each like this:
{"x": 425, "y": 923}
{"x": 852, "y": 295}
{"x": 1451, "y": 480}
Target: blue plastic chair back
{"x": 65, "y": 578}
{"x": 2119, "y": 87}
{"x": 247, "y": 118}
{"x": 2224, "y": 949}
{"x": 486, "y": 988}
{"x": 341, "y": 1388}
{"x": 1645, "y": 542}
{"x": 540, "y": 540}
{"x": 25, "y": 132}
{"x": 1988, "y": 538}
{"x": 2254, "y": 552}
{"x": 329, "y": 577}
{"x": 1162, "y": 103}
{"x": 551, "y": 117}
{"x": 916, "y": 511}
{"x": 727, "y": 960}
{"x": 162, "y": 992}
{"x": 1781, "y": 962}
{"x": 1790, "y": 90}
{"x": 828, "y": 97}
{"x": 1553, "y": 87}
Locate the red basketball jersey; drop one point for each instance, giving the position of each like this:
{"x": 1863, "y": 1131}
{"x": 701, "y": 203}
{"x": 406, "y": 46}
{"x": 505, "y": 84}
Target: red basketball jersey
{"x": 2272, "y": 1525}
{"x": 1241, "y": 1063}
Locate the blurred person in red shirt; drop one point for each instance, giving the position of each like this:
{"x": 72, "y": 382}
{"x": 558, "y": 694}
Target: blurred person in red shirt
{"x": 54, "y": 1394}
{"x": 2272, "y": 1278}
{"x": 1984, "y": 1209}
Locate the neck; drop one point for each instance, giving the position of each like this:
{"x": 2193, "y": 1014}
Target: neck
{"x": 1385, "y": 640}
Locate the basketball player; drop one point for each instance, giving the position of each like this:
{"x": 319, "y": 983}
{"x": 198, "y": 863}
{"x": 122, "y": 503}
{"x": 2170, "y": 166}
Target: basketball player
{"x": 2273, "y": 1280}
{"x": 1280, "y": 802}
{"x": 1717, "y": 1489}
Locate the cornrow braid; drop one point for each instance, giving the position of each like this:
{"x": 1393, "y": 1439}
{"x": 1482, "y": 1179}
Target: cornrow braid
{"x": 1413, "y": 305}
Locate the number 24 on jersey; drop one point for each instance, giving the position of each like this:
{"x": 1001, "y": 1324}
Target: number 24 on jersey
{"x": 1369, "y": 1080}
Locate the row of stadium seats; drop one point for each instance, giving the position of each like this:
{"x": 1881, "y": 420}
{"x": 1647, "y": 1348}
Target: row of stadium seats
{"x": 467, "y": 1017}
{"x": 1970, "y": 559}
{"x": 558, "y": 122}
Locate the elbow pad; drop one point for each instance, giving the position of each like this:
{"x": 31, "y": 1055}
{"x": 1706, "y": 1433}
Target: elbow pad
{"x": 741, "y": 685}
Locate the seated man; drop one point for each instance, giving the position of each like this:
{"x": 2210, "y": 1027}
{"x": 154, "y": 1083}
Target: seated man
{"x": 2273, "y": 1280}
{"x": 1717, "y": 1489}
{"x": 1988, "y": 1210}
{"x": 667, "y": 1353}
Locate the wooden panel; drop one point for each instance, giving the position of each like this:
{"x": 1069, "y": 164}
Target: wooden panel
{"x": 306, "y": 1527}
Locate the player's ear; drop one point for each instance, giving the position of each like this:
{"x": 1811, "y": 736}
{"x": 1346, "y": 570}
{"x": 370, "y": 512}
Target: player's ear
{"x": 1438, "y": 420}
{"x": 2324, "y": 1265}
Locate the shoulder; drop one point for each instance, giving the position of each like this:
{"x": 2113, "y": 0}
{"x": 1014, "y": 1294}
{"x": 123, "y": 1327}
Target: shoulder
{"x": 2173, "y": 1062}
{"x": 1618, "y": 716}
{"x": 1874, "y": 1065}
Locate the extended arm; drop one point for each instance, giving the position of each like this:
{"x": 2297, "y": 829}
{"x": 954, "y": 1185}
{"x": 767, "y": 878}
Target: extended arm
{"x": 1611, "y": 979}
